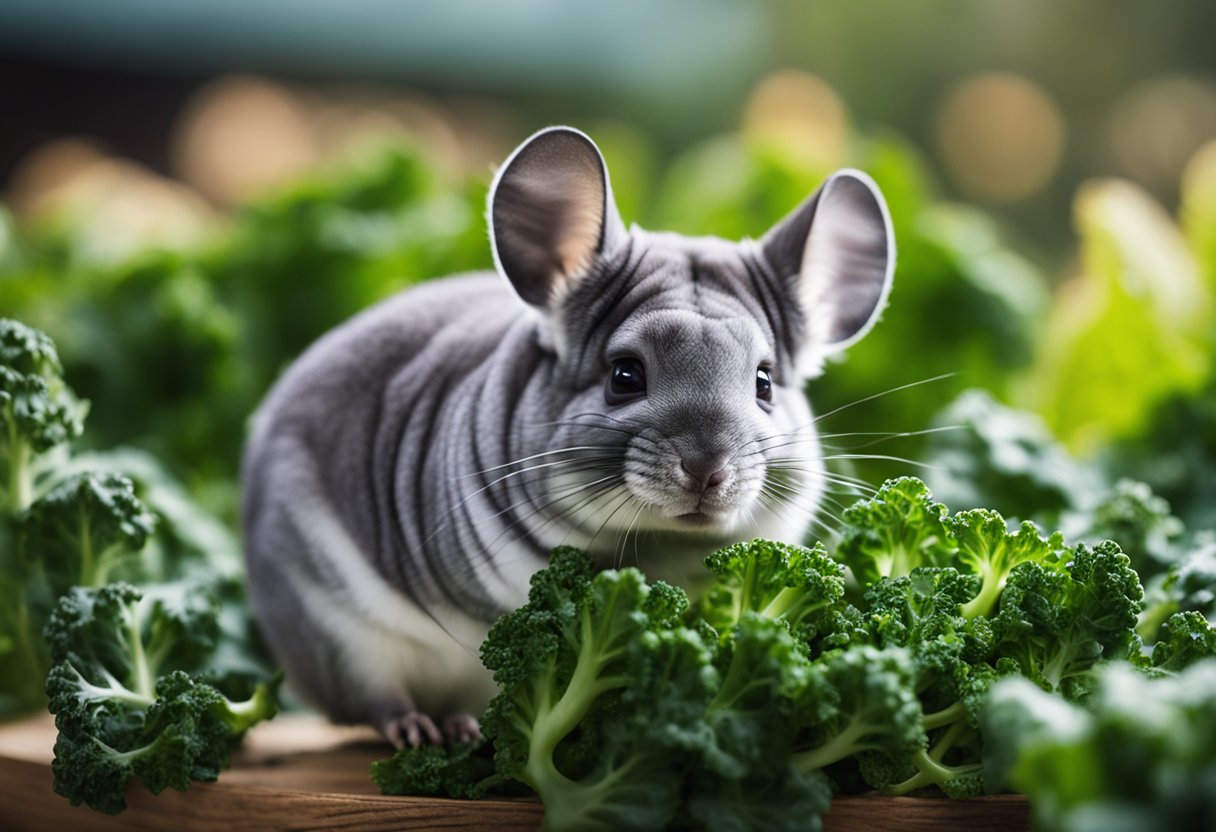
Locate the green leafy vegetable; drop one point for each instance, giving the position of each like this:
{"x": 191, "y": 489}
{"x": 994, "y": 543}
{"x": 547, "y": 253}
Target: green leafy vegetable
{"x": 563, "y": 661}
{"x": 132, "y": 698}
{"x": 140, "y": 688}
{"x": 460, "y": 770}
{"x": 624, "y": 707}
{"x": 37, "y": 411}
{"x": 898, "y": 530}
{"x": 1060, "y": 615}
{"x": 1140, "y": 755}
{"x": 84, "y": 529}
{"x": 801, "y": 588}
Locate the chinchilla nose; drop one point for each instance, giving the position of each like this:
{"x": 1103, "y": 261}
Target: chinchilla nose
{"x": 706, "y": 474}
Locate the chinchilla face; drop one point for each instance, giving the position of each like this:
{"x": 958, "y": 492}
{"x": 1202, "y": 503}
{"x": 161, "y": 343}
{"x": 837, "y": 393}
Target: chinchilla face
{"x": 675, "y": 400}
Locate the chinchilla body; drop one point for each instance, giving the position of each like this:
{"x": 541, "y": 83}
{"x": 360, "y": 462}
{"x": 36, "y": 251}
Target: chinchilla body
{"x": 634, "y": 394}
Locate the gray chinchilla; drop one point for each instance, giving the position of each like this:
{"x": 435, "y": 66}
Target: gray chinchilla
{"x": 638, "y": 395}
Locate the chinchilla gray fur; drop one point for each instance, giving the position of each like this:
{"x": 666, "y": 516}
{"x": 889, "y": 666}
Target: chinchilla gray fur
{"x": 605, "y": 389}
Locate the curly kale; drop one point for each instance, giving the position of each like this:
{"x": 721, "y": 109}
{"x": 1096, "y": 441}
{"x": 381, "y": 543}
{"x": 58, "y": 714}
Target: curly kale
{"x": 1189, "y": 586}
{"x": 623, "y": 707}
{"x": 1142, "y": 524}
{"x": 1186, "y": 638}
{"x": 858, "y": 701}
{"x": 1139, "y": 755}
{"x": 987, "y": 548}
{"x": 37, "y": 410}
{"x": 85, "y": 527}
{"x": 132, "y": 698}
{"x": 621, "y": 717}
{"x": 460, "y": 770}
{"x": 898, "y": 530}
{"x": 1059, "y": 617}
{"x": 563, "y": 661}
{"x": 739, "y": 774}
{"x": 800, "y": 587}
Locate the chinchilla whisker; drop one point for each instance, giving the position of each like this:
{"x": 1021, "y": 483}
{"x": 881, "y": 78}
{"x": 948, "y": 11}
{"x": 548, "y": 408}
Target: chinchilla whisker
{"x": 833, "y": 501}
{"x": 637, "y": 538}
{"x": 637, "y": 531}
{"x": 749, "y": 513}
{"x": 570, "y": 420}
{"x": 793, "y": 465}
{"x": 529, "y": 469}
{"x": 591, "y": 414}
{"x": 539, "y": 456}
{"x": 624, "y": 501}
{"x": 887, "y": 457}
{"x": 605, "y": 486}
{"x": 838, "y": 496}
{"x": 800, "y": 430}
{"x": 569, "y": 423}
{"x": 833, "y": 529}
{"x": 827, "y": 530}
{"x": 885, "y": 437}
{"x": 566, "y": 492}
{"x": 541, "y": 465}
{"x": 590, "y": 464}
{"x": 799, "y": 435}
{"x": 887, "y": 392}
{"x": 624, "y": 540}
{"x": 773, "y": 499}
{"x": 888, "y": 433}
{"x": 572, "y": 511}
{"x": 597, "y": 488}
{"x": 799, "y": 440}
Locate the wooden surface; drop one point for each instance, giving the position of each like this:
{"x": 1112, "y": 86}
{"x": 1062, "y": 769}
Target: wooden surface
{"x": 296, "y": 772}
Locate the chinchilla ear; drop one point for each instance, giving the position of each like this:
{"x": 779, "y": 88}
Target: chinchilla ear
{"x": 551, "y": 215}
{"x": 834, "y": 255}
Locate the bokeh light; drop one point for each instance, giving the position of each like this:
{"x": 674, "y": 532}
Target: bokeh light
{"x": 1158, "y": 125}
{"x": 111, "y": 207}
{"x": 1000, "y": 136}
{"x": 800, "y": 116}
{"x": 240, "y": 135}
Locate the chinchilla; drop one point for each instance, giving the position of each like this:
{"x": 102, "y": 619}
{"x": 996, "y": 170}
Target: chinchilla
{"x": 635, "y": 394}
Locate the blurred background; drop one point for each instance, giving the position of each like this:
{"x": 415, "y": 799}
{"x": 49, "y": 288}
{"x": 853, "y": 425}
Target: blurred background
{"x": 192, "y": 192}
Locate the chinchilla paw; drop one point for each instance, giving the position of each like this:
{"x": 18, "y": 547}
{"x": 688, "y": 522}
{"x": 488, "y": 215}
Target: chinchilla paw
{"x": 461, "y": 728}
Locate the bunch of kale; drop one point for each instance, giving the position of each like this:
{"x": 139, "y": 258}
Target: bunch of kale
{"x": 796, "y": 676}
{"x": 156, "y": 683}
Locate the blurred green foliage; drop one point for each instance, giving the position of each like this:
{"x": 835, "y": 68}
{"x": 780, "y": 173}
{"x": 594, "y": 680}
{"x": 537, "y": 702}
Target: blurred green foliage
{"x": 1137, "y": 324}
{"x": 176, "y": 348}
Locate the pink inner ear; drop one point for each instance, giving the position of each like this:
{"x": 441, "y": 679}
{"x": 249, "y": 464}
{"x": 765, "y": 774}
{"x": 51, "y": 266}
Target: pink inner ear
{"x": 846, "y": 266}
{"x": 582, "y": 223}
{"x": 550, "y": 212}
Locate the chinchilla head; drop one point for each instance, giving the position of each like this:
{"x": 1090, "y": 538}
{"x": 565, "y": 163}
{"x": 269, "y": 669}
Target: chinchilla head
{"x": 678, "y": 363}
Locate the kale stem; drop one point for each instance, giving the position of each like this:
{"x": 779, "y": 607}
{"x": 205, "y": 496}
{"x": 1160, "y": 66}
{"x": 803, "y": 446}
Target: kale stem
{"x": 144, "y": 684}
{"x": 944, "y": 717}
{"x": 840, "y": 746}
{"x": 20, "y": 481}
{"x": 87, "y": 571}
{"x": 952, "y": 735}
{"x": 990, "y": 590}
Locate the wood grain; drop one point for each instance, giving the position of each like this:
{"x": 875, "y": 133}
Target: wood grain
{"x": 298, "y": 773}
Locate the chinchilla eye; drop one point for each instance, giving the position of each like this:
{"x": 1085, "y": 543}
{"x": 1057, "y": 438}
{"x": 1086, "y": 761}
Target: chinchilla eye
{"x": 626, "y": 382}
{"x": 764, "y": 384}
